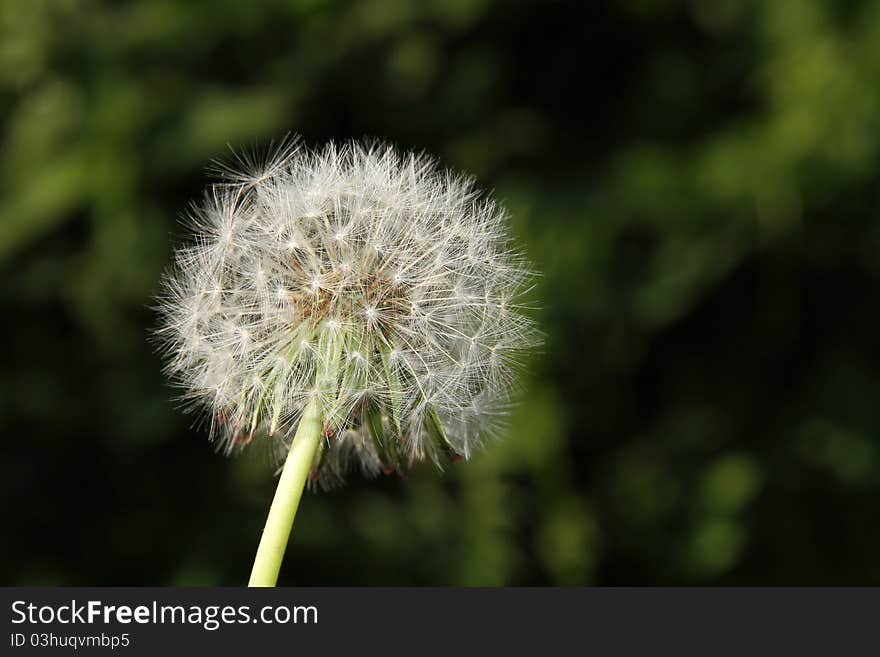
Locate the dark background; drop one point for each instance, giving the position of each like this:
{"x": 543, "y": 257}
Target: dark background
{"x": 698, "y": 181}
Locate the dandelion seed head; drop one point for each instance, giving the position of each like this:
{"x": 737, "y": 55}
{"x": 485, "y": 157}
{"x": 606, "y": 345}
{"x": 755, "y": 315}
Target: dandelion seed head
{"x": 362, "y": 278}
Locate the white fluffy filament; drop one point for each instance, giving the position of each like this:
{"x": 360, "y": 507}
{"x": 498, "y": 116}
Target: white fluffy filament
{"x": 369, "y": 280}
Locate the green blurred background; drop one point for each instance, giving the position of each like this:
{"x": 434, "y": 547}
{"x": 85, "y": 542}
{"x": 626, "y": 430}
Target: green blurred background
{"x": 697, "y": 179}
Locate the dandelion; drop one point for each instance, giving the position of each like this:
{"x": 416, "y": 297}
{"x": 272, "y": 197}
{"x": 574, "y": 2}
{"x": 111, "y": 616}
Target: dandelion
{"x": 355, "y": 307}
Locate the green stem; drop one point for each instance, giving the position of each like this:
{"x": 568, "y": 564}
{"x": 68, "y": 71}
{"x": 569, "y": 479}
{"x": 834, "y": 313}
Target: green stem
{"x": 293, "y": 478}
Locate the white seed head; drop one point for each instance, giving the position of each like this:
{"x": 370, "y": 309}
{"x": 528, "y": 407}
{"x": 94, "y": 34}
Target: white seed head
{"x": 369, "y": 280}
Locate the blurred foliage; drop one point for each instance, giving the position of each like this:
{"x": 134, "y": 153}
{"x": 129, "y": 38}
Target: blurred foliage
{"x": 697, "y": 179}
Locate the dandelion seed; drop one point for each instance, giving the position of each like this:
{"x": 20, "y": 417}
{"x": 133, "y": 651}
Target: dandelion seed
{"x": 353, "y": 289}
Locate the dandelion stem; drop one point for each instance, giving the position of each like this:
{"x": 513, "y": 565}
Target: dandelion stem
{"x": 293, "y": 478}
